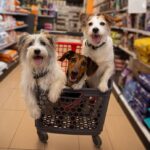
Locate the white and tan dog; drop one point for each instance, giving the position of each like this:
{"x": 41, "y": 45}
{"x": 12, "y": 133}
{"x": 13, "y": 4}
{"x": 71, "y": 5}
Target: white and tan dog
{"x": 38, "y": 59}
{"x": 98, "y": 46}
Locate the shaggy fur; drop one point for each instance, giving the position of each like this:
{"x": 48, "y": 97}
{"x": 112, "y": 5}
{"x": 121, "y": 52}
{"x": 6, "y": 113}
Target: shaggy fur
{"x": 45, "y": 60}
{"x": 98, "y": 46}
{"x": 79, "y": 69}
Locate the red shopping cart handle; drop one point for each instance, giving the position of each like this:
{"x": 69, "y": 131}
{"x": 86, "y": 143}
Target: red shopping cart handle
{"x": 72, "y": 44}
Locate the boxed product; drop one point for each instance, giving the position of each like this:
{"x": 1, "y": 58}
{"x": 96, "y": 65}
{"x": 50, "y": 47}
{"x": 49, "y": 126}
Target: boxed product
{"x": 142, "y": 47}
{"x": 8, "y": 55}
{"x": 144, "y": 80}
{"x": 4, "y": 38}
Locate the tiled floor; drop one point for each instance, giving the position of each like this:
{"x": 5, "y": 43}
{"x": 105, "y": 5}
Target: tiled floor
{"x": 17, "y": 131}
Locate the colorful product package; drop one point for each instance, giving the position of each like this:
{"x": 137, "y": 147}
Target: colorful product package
{"x": 142, "y": 47}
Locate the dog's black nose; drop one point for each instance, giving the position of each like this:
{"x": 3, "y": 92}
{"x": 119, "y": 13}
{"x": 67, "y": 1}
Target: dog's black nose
{"x": 95, "y": 30}
{"x": 74, "y": 73}
{"x": 37, "y": 51}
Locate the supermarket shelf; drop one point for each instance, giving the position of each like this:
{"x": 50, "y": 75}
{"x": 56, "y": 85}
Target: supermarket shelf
{"x": 44, "y": 16}
{"x": 14, "y": 13}
{"x": 115, "y": 11}
{"x": 11, "y": 66}
{"x": 17, "y": 27}
{"x": 7, "y": 45}
{"x": 46, "y": 9}
{"x": 142, "y": 128}
{"x": 143, "y": 64}
{"x": 147, "y": 33}
{"x": 126, "y": 50}
{"x": 100, "y": 3}
{"x": 39, "y": 9}
{"x": 63, "y": 32}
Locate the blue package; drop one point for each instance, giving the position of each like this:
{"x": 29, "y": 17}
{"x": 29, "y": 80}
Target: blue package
{"x": 129, "y": 90}
{"x": 147, "y": 122}
{"x": 144, "y": 80}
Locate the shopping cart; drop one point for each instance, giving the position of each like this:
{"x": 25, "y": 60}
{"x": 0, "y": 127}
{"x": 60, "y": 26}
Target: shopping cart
{"x": 78, "y": 112}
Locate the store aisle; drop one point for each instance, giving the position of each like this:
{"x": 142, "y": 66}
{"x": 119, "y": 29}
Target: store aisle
{"x": 17, "y": 131}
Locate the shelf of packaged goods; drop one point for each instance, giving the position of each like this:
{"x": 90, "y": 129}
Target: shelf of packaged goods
{"x": 145, "y": 65}
{"x": 63, "y": 32}
{"x": 100, "y": 3}
{"x": 45, "y": 9}
{"x": 147, "y": 33}
{"x": 143, "y": 129}
{"x": 11, "y": 66}
{"x": 7, "y": 45}
{"x": 115, "y": 11}
{"x": 46, "y": 16}
{"x": 17, "y": 27}
{"x": 126, "y": 50}
{"x": 14, "y": 13}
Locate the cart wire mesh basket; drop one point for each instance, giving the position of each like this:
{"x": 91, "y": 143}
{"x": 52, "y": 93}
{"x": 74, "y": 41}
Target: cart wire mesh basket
{"x": 80, "y": 112}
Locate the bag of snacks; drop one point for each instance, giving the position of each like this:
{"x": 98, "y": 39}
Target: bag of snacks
{"x": 142, "y": 47}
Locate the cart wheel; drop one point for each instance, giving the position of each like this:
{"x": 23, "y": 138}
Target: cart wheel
{"x": 97, "y": 141}
{"x": 43, "y": 136}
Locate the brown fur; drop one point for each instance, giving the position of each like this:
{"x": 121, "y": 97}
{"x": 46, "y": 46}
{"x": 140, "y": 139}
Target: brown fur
{"x": 78, "y": 63}
{"x": 84, "y": 19}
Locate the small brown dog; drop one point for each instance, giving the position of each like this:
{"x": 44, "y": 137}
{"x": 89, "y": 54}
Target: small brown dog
{"x": 79, "y": 68}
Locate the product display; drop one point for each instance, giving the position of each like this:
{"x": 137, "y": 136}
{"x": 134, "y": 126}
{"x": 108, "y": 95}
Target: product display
{"x": 143, "y": 49}
{"x": 11, "y": 6}
{"x": 8, "y": 55}
{"x": 130, "y": 34}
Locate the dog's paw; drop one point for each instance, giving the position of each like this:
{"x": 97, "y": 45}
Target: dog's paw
{"x": 53, "y": 97}
{"x": 36, "y": 113}
{"x": 103, "y": 87}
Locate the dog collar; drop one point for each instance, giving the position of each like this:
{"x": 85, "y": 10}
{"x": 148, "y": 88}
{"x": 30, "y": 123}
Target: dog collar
{"x": 39, "y": 75}
{"x": 94, "y": 47}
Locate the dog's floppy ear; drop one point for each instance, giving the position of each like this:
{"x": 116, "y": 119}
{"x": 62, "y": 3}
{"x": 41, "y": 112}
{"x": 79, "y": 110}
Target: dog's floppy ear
{"x": 83, "y": 19}
{"x": 21, "y": 40}
{"x": 51, "y": 38}
{"x": 109, "y": 19}
{"x": 67, "y": 55}
{"x": 91, "y": 67}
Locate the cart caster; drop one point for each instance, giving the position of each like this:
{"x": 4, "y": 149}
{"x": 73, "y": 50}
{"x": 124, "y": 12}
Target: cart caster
{"x": 97, "y": 141}
{"x": 43, "y": 136}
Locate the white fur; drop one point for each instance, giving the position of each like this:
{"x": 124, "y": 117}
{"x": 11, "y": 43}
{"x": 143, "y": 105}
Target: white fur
{"x": 54, "y": 81}
{"x": 103, "y": 56}
{"x": 80, "y": 84}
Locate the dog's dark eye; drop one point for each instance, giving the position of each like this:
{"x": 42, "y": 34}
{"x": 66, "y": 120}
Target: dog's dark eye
{"x": 31, "y": 43}
{"x": 90, "y": 24}
{"x": 102, "y": 23}
{"x": 73, "y": 60}
{"x": 83, "y": 63}
{"x": 43, "y": 43}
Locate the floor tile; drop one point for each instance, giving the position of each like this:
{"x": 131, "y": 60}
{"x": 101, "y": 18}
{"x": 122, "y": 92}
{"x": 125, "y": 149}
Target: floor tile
{"x": 9, "y": 121}
{"x": 15, "y": 101}
{"x": 113, "y": 107}
{"x": 121, "y": 134}
{"x": 5, "y": 92}
{"x": 86, "y": 142}
{"x": 62, "y": 142}
{"x": 12, "y": 80}
{"x": 26, "y": 136}
{"x": 21, "y": 149}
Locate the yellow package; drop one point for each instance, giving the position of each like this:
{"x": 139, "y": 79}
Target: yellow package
{"x": 142, "y": 47}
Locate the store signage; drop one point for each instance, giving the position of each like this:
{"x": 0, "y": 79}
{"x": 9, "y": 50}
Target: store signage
{"x": 137, "y": 6}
